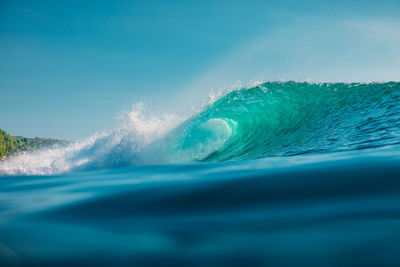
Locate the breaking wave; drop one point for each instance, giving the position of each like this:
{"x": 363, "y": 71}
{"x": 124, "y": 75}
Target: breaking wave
{"x": 266, "y": 120}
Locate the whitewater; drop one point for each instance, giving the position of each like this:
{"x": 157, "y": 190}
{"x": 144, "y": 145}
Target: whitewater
{"x": 278, "y": 173}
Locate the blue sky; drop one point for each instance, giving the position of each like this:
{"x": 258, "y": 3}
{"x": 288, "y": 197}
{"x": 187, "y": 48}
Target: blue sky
{"x": 67, "y": 68}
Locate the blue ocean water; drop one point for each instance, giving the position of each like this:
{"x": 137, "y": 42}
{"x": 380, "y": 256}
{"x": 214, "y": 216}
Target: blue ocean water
{"x": 282, "y": 173}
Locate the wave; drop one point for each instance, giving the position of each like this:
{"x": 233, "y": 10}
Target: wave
{"x": 266, "y": 120}
{"x": 289, "y": 118}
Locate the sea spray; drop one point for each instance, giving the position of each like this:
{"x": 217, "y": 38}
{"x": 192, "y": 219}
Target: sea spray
{"x": 115, "y": 148}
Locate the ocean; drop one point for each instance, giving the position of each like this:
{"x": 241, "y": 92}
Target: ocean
{"x": 276, "y": 174}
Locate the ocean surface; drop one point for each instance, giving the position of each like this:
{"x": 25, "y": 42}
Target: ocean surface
{"x": 277, "y": 174}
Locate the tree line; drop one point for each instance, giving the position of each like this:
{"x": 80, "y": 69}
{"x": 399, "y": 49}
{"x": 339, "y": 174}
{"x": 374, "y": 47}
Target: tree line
{"x": 10, "y": 145}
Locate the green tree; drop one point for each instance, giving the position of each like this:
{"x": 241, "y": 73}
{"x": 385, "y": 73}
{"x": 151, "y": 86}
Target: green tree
{"x": 13, "y": 144}
{"x": 7, "y": 144}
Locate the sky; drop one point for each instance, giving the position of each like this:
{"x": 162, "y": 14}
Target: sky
{"x": 68, "y": 68}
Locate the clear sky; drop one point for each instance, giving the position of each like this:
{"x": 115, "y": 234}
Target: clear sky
{"x": 67, "y": 68}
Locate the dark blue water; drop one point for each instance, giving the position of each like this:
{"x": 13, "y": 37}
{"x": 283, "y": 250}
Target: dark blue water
{"x": 332, "y": 210}
{"x": 280, "y": 174}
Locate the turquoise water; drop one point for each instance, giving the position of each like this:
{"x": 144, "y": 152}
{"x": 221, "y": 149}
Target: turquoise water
{"x": 283, "y": 173}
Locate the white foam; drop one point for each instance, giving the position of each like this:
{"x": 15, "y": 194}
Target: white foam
{"x": 102, "y": 150}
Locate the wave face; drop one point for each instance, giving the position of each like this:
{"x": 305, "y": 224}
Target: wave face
{"x": 290, "y": 118}
{"x": 269, "y": 119}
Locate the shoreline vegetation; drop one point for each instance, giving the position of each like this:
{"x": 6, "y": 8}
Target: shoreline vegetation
{"x": 11, "y": 145}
